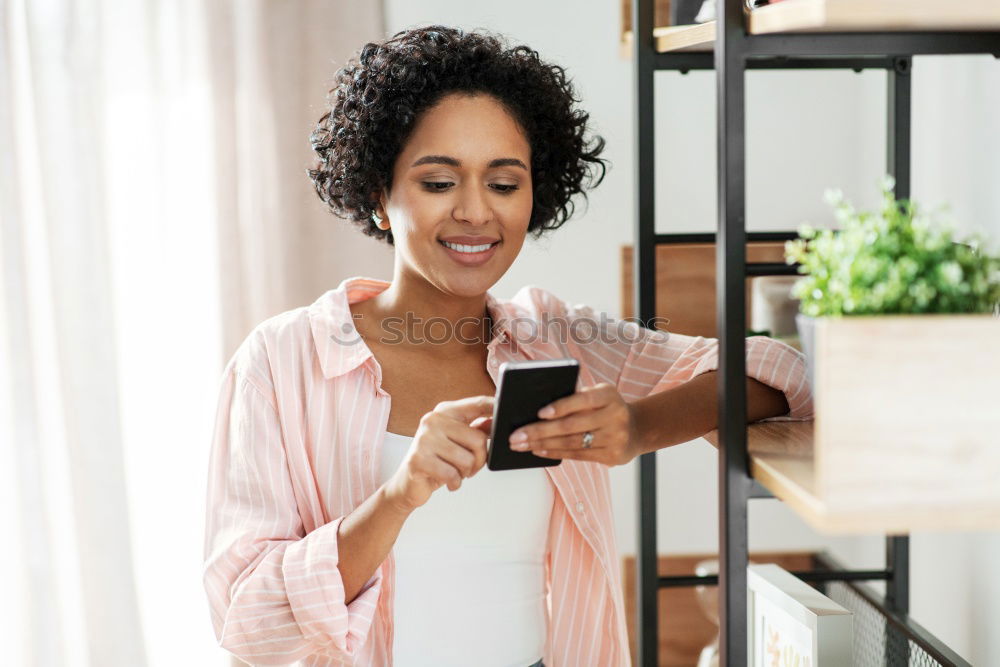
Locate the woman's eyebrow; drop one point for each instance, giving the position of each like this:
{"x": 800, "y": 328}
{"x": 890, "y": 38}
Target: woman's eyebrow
{"x": 452, "y": 162}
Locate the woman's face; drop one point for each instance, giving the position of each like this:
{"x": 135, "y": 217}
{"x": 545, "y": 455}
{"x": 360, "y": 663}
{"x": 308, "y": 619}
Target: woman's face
{"x": 464, "y": 172}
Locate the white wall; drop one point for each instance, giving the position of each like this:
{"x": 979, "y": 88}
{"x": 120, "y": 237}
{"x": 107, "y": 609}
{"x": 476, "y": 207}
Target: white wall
{"x": 806, "y": 131}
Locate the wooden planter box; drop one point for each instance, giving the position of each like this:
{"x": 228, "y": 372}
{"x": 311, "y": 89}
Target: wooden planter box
{"x": 906, "y": 435}
{"x": 907, "y": 426}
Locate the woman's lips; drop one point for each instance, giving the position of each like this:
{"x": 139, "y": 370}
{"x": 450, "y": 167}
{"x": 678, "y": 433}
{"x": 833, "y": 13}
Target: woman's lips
{"x": 471, "y": 258}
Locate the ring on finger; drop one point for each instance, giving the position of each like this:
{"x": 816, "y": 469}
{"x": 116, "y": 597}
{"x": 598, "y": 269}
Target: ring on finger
{"x": 588, "y": 439}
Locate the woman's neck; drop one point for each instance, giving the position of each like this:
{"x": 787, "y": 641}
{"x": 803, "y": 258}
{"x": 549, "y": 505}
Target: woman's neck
{"x": 429, "y": 320}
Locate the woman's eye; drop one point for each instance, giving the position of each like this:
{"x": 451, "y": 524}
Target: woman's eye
{"x": 437, "y": 186}
{"x": 441, "y": 186}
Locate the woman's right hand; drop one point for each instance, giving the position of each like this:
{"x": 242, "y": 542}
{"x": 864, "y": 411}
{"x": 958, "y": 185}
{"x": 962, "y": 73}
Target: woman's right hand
{"x": 446, "y": 448}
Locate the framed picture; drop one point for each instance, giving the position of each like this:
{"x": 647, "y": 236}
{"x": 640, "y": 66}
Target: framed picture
{"x": 791, "y": 624}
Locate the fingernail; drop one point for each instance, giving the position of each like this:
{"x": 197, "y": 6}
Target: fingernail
{"x": 518, "y": 436}
{"x": 519, "y": 446}
{"x": 547, "y": 411}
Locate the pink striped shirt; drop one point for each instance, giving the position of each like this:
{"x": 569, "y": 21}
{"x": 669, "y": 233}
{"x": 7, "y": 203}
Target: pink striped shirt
{"x": 299, "y": 426}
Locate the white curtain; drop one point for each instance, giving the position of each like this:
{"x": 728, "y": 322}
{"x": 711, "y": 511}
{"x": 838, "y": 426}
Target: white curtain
{"x": 153, "y": 208}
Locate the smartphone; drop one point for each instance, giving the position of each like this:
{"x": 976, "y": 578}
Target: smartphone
{"x": 525, "y": 388}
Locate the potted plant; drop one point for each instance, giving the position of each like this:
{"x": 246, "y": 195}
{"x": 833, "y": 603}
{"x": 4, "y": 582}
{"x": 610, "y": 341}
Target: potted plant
{"x": 896, "y": 261}
{"x": 899, "y": 323}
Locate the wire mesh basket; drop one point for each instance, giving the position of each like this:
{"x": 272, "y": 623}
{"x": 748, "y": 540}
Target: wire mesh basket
{"x": 881, "y": 641}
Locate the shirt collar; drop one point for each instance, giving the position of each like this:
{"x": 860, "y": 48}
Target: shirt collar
{"x": 340, "y": 347}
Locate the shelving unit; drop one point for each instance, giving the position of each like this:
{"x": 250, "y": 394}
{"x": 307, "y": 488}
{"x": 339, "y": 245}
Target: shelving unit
{"x": 794, "y": 34}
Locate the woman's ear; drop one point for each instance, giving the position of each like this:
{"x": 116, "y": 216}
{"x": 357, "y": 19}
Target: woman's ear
{"x": 378, "y": 215}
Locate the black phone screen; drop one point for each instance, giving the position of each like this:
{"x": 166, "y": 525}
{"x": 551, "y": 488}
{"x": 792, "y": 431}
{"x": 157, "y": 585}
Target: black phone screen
{"x": 525, "y": 388}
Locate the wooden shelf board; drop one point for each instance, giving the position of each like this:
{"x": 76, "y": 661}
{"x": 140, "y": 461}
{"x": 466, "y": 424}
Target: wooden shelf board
{"x": 778, "y": 438}
{"x": 699, "y": 37}
{"x": 792, "y": 480}
{"x": 874, "y": 16}
{"x": 781, "y": 459}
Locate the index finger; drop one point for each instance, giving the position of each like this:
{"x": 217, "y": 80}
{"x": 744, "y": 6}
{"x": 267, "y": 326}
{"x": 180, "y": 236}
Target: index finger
{"x": 588, "y": 398}
{"x": 467, "y": 409}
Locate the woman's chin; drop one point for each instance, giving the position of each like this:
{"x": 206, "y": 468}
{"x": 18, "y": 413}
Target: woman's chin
{"x": 466, "y": 283}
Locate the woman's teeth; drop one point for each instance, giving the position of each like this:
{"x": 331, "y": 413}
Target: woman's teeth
{"x": 468, "y": 248}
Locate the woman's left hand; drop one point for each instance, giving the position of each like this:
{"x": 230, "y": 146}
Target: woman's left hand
{"x": 599, "y": 409}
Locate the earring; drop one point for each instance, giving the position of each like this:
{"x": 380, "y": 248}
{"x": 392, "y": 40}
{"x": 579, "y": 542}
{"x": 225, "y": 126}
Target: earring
{"x": 377, "y": 219}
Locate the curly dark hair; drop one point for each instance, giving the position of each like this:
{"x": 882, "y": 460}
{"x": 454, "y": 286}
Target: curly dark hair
{"x": 380, "y": 93}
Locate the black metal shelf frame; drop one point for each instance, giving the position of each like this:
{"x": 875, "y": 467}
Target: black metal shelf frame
{"x": 735, "y": 53}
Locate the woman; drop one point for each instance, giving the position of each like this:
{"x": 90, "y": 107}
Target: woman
{"x": 329, "y": 538}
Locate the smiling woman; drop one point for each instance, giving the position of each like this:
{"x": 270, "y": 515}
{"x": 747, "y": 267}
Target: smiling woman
{"x": 377, "y": 100}
{"x": 329, "y": 539}
{"x": 435, "y": 198}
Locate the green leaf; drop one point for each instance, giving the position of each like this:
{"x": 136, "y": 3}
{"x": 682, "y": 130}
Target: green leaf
{"x": 896, "y": 260}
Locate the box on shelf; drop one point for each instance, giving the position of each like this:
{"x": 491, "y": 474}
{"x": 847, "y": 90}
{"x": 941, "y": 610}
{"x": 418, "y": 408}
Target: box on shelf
{"x": 907, "y": 417}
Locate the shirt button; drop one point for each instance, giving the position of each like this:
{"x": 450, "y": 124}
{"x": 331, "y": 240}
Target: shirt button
{"x": 579, "y": 507}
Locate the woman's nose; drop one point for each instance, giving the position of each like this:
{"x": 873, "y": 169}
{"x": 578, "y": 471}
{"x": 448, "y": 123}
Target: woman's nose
{"x": 473, "y": 205}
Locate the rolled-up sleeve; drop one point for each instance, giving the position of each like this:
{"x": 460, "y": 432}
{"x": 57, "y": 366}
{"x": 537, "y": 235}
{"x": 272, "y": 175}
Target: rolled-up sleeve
{"x": 275, "y": 593}
{"x": 772, "y": 362}
{"x": 639, "y": 361}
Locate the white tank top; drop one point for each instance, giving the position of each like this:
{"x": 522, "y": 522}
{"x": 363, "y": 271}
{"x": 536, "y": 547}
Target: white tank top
{"x": 470, "y": 569}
